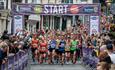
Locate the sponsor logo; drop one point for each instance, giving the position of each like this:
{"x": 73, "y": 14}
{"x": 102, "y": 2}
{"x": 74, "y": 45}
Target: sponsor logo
{"x": 88, "y": 9}
{"x": 94, "y": 18}
{"x": 74, "y": 9}
{"x": 17, "y": 17}
{"x": 38, "y": 9}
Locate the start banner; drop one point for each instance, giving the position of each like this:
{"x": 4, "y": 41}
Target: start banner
{"x": 57, "y": 9}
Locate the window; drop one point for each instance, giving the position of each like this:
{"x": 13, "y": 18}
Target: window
{"x": 36, "y": 1}
{"x": 83, "y": 0}
{"x": 26, "y": 1}
{"x": 67, "y": 1}
{"x": 70, "y": 1}
{"x": 1, "y": 5}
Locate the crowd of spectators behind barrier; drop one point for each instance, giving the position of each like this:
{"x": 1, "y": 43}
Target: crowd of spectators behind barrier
{"x": 11, "y": 44}
{"x": 103, "y": 47}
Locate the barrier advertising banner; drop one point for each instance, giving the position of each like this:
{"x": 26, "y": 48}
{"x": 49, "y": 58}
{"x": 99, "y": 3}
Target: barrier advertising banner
{"x": 94, "y": 25}
{"x": 57, "y": 9}
{"x": 10, "y": 62}
{"x": 16, "y": 61}
{"x": 18, "y": 23}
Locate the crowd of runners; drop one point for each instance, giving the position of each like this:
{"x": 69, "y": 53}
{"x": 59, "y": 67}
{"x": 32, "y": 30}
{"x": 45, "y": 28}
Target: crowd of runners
{"x": 56, "y": 47}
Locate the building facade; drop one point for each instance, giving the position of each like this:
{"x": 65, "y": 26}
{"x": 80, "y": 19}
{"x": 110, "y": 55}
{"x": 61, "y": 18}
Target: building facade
{"x": 5, "y": 16}
{"x": 34, "y": 22}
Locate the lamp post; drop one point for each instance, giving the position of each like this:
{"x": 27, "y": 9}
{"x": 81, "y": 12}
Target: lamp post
{"x": 108, "y": 3}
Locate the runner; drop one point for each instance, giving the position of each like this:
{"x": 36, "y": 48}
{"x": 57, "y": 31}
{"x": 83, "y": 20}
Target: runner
{"x": 67, "y": 49}
{"x": 52, "y": 47}
{"x": 61, "y": 49}
{"x": 57, "y": 48}
{"x": 73, "y": 49}
{"x": 43, "y": 50}
{"x": 34, "y": 46}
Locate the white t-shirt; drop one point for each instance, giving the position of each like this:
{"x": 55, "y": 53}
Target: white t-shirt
{"x": 112, "y": 56}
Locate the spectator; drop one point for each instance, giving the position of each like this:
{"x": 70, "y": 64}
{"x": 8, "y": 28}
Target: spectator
{"x": 104, "y": 57}
{"x": 3, "y": 52}
{"x": 111, "y": 52}
{"x": 103, "y": 47}
{"x": 102, "y": 66}
{"x": 5, "y": 35}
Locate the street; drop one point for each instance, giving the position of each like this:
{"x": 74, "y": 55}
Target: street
{"x": 57, "y": 67}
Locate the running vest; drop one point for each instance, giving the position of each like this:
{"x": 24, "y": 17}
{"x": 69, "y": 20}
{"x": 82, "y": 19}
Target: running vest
{"x": 53, "y": 44}
{"x": 74, "y": 43}
{"x": 62, "y": 44}
{"x": 43, "y": 47}
{"x": 34, "y": 43}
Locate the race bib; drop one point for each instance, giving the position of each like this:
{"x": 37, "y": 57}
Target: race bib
{"x": 62, "y": 44}
{"x": 53, "y": 45}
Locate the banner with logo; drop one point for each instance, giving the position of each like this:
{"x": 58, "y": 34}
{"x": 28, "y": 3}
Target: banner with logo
{"x": 18, "y": 23}
{"x": 94, "y": 25}
{"x": 57, "y": 9}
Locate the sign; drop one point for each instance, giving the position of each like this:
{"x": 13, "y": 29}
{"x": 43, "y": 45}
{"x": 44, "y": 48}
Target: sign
{"x": 94, "y": 25}
{"x": 57, "y": 9}
{"x": 18, "y": 23}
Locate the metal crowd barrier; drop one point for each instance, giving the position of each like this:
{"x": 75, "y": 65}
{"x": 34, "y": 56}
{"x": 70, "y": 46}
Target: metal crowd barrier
{"x": 89, "y": 61}
{"x": 19, "y": 61}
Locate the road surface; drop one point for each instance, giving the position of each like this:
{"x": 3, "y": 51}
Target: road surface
{"x": 57, "y": 67}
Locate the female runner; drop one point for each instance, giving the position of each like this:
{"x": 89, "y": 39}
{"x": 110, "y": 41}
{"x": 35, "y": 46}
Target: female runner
{"x": 43, "y": 50}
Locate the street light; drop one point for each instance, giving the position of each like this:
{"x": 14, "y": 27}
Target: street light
{"x": 108, "y": 2}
